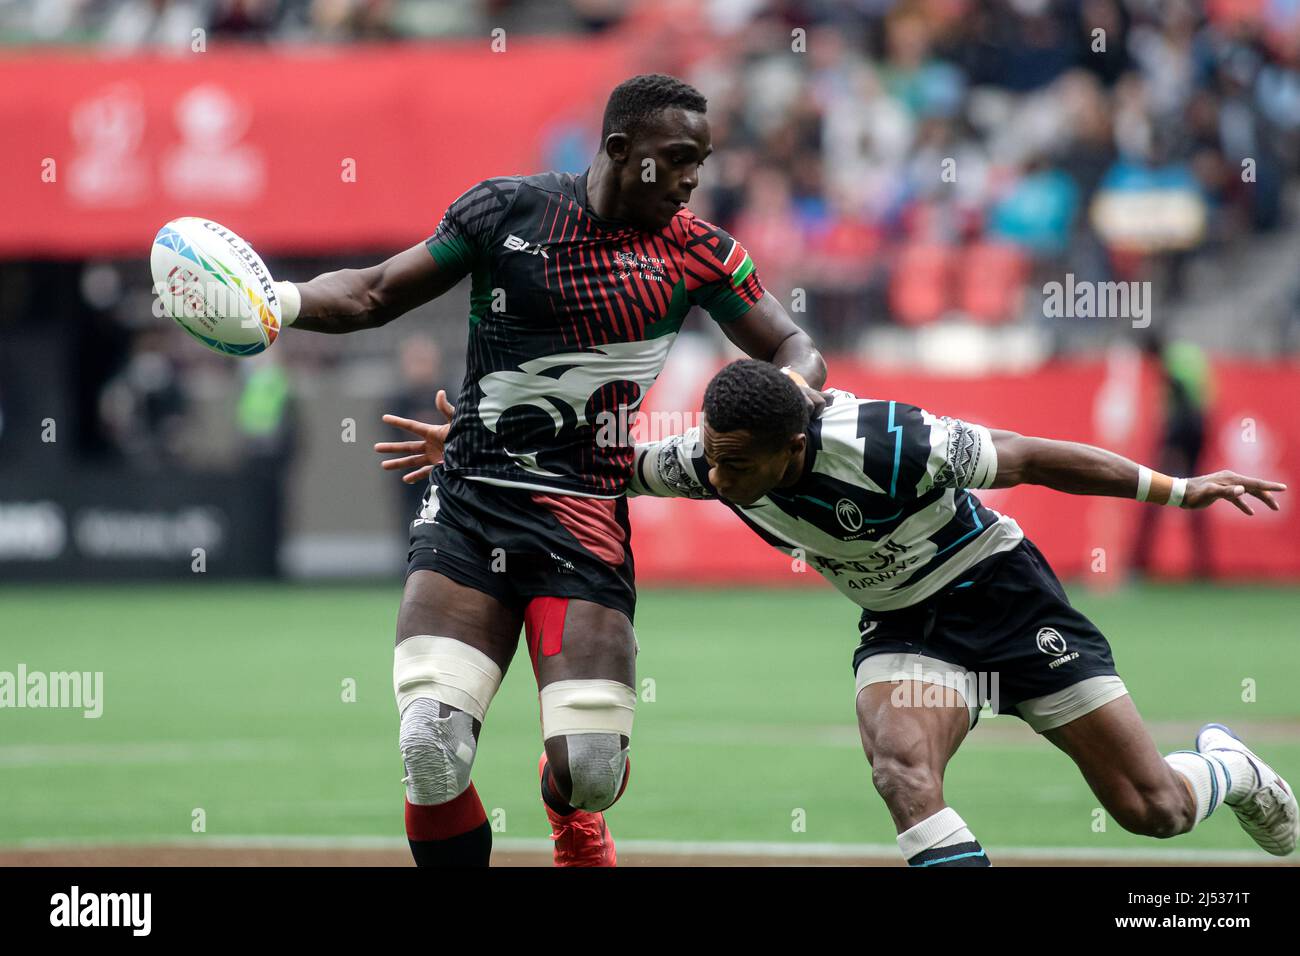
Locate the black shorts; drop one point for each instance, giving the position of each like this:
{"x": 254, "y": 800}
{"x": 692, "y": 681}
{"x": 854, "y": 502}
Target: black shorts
{"x": 1008, "y": 621}
{"x": 516, "y": 545}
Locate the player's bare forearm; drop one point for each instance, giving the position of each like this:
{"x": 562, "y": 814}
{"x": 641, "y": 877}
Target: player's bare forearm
{"x": 798, "y": 352}
{"x": 342, "y": 301}
{"x": 767, "y": 333}
{"x": 350, "y": 300}
{"x": 1079, "y": 469}
{"x": 1066, "y": 466}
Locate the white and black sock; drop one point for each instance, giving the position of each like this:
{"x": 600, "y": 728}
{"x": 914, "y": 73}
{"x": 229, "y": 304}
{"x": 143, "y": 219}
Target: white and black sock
{"x": 942, "y": 840}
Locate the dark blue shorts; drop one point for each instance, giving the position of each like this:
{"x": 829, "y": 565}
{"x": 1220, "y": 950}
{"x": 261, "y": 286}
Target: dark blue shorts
{"x": 1008, "y": 621}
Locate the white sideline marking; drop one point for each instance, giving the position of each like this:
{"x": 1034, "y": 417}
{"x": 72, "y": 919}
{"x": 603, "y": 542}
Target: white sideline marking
{"x": 737, "y": 849}
{"x": 145, "y": 752}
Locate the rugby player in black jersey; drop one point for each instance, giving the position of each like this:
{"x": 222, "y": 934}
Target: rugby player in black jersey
{"x": 579, "y": 285}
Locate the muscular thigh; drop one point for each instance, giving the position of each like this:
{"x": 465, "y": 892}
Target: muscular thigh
{"x": 1114, "y": 750}
{"x": 434, "y": 604}
{"x": 597, "y": 643}
{"x": 912, "y": 721}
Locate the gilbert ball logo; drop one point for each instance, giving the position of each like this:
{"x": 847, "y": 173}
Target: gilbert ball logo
{"x": 1051, "y": 642}
{"x": 848, "y": 514}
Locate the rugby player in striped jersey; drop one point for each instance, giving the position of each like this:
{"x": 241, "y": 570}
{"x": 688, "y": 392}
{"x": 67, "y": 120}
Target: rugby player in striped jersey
{"x": 958, "y": 607}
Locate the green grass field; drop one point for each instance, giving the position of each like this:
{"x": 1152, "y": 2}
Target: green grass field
{"x": 230, "y": 699}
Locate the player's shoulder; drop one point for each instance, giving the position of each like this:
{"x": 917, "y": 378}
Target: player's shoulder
{"x": 837, "y": 426}
{"x": 552, "y": 181}
{"x": 479, "y": 209}
{"x": 850, "y": 425}
{"x": 494, "y": 187}
{"x": 689, "y": 228}
{"x": 711, "y": 254}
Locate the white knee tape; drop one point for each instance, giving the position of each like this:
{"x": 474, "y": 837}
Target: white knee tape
{"x": 597, "y": 765}
{"x": 437, "y": 752}
{"x": 446, "y": 670}
{"x": 587, "y": 707}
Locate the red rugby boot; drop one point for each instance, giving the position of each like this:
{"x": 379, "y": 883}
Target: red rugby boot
{"x": 581, "y": 838}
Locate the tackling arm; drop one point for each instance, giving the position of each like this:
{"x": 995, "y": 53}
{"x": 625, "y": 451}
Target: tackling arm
{"x": 1085, "y": 470}
{"x": 768, "y": 333}
{"x": 670, "y": 468}
{"x": 664, "y": 469}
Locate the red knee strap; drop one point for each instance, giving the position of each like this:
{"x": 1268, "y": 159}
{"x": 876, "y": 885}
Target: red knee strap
{"x": 544, "y": 627}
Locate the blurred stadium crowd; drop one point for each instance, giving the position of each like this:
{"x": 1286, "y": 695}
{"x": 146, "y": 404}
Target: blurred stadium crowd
{"x": 895, "y": 168}
{"x": 134, "y": 24}
{"x": 930, "y": 158}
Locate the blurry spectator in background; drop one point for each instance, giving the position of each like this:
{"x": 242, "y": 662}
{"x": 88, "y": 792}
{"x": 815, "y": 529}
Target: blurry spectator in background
{"x": 1108, "y": 56}
{"x": 1019, "y": 45}
{"x": 1188, "y": 386}
{"x": 265, "y": 414}
{"x": 143, "y": 407}
{"x": 336, "y": 20}
{"x": 244, "y": 19}
{"x": 771, "y": 229}
{"x": 419, "y": 371}
{"x": 268, "y": 430}
{"x": 1038, "y": 212}
{"x": 159, "y": 23}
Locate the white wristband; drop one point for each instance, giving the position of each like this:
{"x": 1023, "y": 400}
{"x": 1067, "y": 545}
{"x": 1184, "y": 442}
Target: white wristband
{"x": 290, "y": 302}
{"x": 1144, "y": 482}
{"x": 1179, "y": 489}
{"x": 1171, "y": 490}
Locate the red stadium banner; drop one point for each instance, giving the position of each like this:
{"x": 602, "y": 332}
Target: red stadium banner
{"x": 299, "y": 150}
{"x": 1252, "y": 429}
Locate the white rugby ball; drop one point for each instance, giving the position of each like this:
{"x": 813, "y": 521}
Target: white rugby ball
{"x": 215, "y": 286}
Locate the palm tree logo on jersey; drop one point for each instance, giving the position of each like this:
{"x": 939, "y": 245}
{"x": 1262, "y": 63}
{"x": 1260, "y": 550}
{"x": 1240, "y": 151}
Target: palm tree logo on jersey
{"x": 569, "y": 380}
{"x": 848, "y": 514}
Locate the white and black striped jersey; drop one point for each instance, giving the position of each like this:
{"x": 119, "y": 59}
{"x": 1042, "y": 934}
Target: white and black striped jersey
{"x": 882, "y": 510}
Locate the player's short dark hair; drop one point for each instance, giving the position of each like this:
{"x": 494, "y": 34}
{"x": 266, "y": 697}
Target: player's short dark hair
{"x": 635, "y": 102}
{"x": 758, "y": 398}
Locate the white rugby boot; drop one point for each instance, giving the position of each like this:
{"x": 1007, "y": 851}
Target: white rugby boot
{"x": 1268, "y": 812}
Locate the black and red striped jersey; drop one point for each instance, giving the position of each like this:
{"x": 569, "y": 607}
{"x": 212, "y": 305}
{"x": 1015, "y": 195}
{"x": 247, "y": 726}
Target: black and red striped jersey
{"x": 571, "y": 318}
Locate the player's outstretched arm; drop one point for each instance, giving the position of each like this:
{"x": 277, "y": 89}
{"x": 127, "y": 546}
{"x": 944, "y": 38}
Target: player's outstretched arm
{"x": 1085, "y": 470}
{"x": 422, "y": 453}
{"x": 354, "y": 299}
{"x": 768, "y": 333}
{"x": 664, "y": 469}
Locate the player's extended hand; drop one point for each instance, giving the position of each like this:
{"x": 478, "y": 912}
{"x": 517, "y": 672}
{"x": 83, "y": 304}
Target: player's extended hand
{"x": 1230, "y": 486}
{"x": 423, "y": 453}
